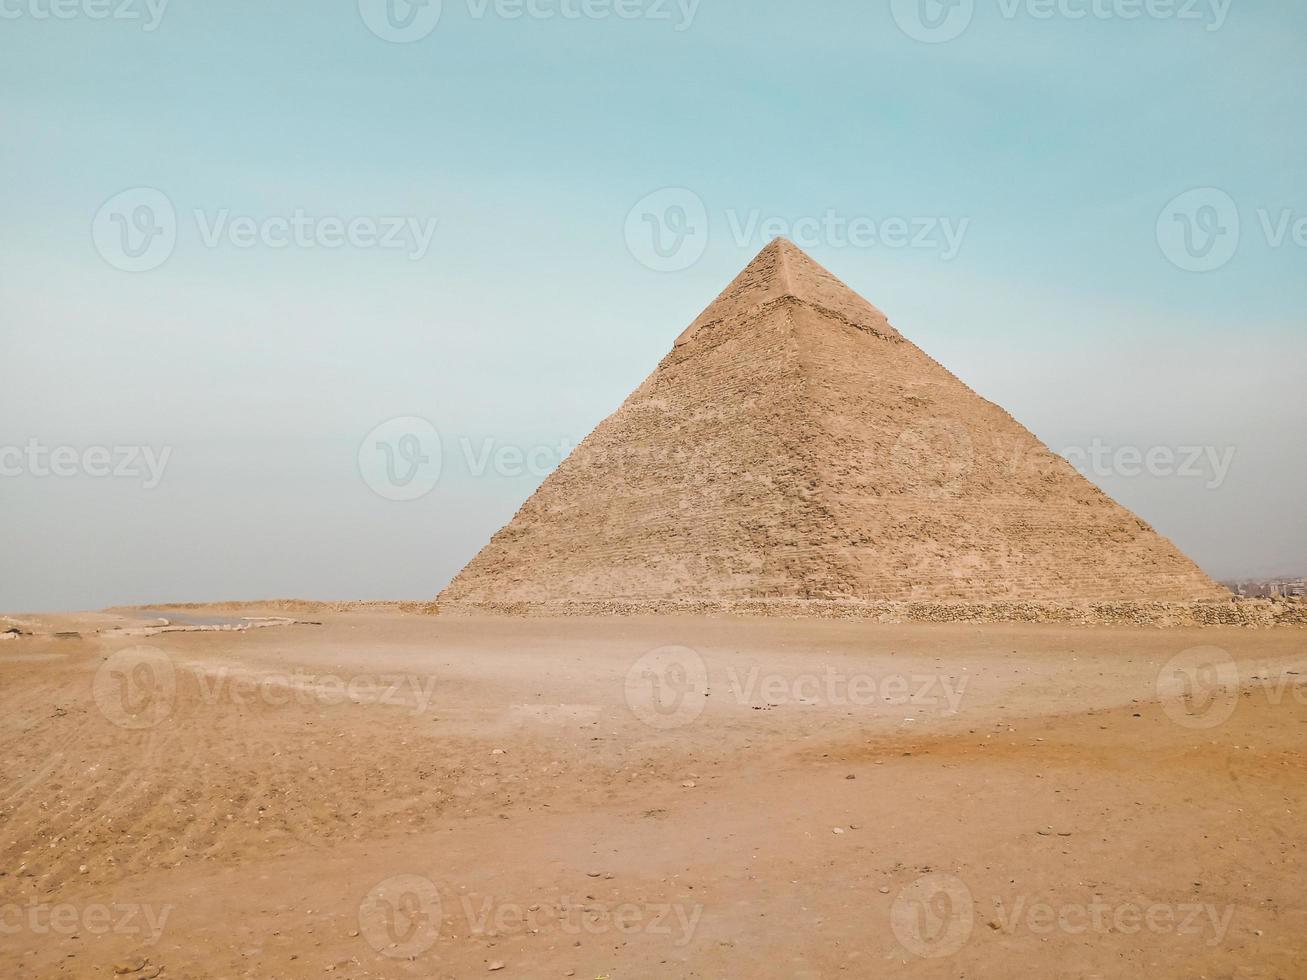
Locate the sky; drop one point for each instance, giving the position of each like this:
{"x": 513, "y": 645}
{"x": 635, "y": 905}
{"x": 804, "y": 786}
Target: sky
{"x": 304, "y": 299}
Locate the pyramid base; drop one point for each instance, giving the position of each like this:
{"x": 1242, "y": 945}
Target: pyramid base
{"x": 1227, "y": 612}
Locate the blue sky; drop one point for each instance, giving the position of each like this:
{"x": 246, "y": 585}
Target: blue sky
{"x": 1056, "y": 143}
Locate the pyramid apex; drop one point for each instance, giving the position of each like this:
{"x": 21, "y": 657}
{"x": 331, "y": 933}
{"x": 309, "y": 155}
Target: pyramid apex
{"x": 780, "y": 245}
{"x": 783, "y": 271}
{"x": 780, "y": 241}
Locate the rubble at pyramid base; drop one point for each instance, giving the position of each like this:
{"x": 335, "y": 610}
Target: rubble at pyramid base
{"x": 1252, "y": 613}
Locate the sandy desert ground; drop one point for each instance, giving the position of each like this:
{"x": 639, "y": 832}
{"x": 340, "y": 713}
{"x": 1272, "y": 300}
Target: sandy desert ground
{"x": 393, "y": 795}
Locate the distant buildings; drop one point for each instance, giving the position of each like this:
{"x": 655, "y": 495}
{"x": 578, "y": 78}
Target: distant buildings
{"x": 1270, "y": 588}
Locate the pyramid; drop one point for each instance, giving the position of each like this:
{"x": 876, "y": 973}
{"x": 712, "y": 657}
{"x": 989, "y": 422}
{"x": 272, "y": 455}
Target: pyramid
{"x": 795, "y": 447}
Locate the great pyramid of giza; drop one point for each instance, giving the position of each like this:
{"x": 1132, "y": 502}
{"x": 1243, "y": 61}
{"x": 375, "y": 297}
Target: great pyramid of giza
{"x": 795, "y": 447}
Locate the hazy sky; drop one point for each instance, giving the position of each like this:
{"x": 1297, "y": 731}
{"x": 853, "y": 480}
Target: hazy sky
{"x": 338, "y": 214}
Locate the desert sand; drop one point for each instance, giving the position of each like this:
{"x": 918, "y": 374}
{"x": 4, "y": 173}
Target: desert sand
{"x": 373, "y": 792}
